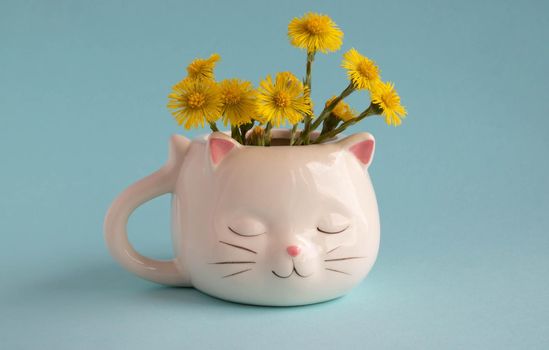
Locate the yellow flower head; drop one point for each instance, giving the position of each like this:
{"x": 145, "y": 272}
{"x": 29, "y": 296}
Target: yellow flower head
{"x": 200, "y": 68}
{"x": 194, "y": 102}
{"x": 258, "y": 131}
{"x": 239, "y": 101}
{"x": 361, "y": 70}
{"x": 289, "y": 76}
{"x": 315, "y": 32}
{"x": 256, "y": 136}
{"x": 342, "y": 110}
{"x": 387, "y": 99}
{"x": 281, "y": 100}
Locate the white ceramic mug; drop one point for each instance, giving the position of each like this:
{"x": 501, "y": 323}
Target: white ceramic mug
{"x": 279, "y": 225}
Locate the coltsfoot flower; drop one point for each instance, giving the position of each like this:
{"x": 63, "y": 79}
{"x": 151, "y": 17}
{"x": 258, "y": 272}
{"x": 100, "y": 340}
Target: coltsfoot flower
{"x": 257, "y": 136}
{"x": 315, "y": 32}
{"x": 239, "y": 103}
{"x": 203, "y": 68}
{"x": 195, "y": 102}
{"x": 386, "y": 98}
{"x": 362, "y": 71}
{"x": 342, "y": 110}
{"x": 282, "y": 100}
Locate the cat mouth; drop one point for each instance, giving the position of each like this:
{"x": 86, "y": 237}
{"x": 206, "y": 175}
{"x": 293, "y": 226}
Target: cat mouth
{"x": 294, "y": 270}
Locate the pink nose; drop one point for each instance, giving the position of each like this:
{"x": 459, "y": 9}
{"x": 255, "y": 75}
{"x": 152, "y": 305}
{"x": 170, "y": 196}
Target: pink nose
{"x": 293, "y": 250}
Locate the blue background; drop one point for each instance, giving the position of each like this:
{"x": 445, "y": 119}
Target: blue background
{"x": 462, "y": 185}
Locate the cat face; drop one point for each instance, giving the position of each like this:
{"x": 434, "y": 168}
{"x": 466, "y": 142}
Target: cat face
{"x": 278, "y": 225}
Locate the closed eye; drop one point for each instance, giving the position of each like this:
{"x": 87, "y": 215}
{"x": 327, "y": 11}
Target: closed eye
{"x": 331, "y": 232}
{"x": 242, "y": 234}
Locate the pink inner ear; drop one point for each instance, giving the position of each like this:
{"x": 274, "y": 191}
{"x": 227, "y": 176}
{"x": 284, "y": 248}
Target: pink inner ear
{"x": 219, "y": 148}
{"x": 363, "y": 151}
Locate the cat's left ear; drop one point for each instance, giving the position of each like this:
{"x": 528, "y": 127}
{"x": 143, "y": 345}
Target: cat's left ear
{"x": 220, "y": 146}
{"x": 362, "y": 146}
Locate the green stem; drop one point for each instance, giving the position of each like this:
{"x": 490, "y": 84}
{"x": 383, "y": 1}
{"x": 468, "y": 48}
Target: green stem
{"x": 292, "y": 134}
{"x": 371, "y": 110}
{"x": 268, "y": 128}
{"x": 235, "y": 134}
{"x": 310, "y": 59}
{"x": 329, "y": 108}
{"x": 244, "y": 128}
{"x": 308, "y": 118}
{"x": 329, "y": 124}
{"x": 213, "y": 126}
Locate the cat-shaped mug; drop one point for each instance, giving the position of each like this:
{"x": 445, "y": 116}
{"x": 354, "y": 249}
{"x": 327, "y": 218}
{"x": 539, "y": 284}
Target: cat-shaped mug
{"x": 279, "y": 225}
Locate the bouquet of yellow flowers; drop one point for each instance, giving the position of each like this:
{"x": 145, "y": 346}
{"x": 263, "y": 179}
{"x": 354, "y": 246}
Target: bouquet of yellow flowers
{"x": 251, "y": 113}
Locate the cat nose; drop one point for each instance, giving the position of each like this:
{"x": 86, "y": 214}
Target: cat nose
{"x": 293, "y": 250}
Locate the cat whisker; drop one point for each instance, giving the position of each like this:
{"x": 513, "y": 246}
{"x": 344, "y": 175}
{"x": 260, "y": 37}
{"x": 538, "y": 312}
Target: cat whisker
{"x": 346, "y": 258}
{"x": 338, "y": 271}
{"x": 239, "y": 247}
{"x": 236, "y": 273}
{"x": 331, "y": 250}
{"x": 232, "y": 262}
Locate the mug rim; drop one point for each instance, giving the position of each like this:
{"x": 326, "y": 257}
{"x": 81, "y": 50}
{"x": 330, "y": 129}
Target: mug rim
{"x": 281, "y": 133}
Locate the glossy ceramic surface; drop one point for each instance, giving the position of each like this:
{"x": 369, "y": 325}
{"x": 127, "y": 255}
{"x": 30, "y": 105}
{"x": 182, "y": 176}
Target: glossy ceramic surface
{"x": 259, "y": 225}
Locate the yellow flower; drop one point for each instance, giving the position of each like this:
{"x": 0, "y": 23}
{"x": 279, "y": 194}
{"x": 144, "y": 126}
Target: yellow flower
{"x": 194, "y": 102}
{"x": 387, "y": 99}
{"x": 361, "y": 70}
{"x": 315, "y": 32}
{"x": 239, "y": 101}
{"x": 258, "y": 131}
{"x": 288, "y": 76}
{"x": 257, "y": 136}
{"x": 342, "y": 110}
{"x": 281, "y": 100}
{"x": 201, "y": 68}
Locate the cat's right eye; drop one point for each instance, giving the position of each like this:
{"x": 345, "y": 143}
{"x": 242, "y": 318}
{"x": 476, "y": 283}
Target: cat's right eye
{"x": 330, "y": 232}
{"x": 247, "y": 227}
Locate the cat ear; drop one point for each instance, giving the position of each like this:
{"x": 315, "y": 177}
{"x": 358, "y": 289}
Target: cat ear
{"x": 361, "y": 145}
{"x": 220, "y": 146}
{"x": 178, "y": 148}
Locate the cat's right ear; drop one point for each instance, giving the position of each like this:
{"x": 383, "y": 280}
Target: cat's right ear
{"x": 220, "y": 146}
{"x": 361, "y": 146}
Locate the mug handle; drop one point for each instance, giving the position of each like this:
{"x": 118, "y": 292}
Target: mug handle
{"x": 160, "y": 182}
